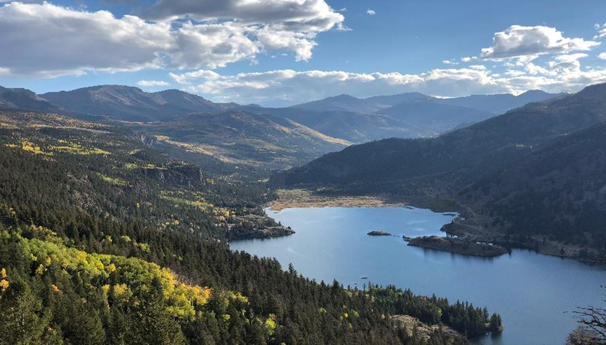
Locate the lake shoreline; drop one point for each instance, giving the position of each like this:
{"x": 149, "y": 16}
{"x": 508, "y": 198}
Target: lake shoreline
{"x": 466, "y": 226}
{"x": 304, "y": 198}
{"x": 300, "y": 198}
{"x": 333, "y": 244}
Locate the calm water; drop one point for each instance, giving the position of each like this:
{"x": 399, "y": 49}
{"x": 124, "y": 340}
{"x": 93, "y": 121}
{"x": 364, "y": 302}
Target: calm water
{"x": 534, "y": 293}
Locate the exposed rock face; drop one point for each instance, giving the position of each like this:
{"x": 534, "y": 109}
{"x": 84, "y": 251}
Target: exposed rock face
{"x": 180, "y": 174}
{"x": 412, "y": 325}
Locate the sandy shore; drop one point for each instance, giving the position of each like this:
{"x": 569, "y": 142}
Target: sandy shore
{"x": 300, "y": 198}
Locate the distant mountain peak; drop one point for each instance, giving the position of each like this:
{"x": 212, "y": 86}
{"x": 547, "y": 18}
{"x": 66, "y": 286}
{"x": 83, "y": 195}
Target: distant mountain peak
{"x": 343, "y": 96}
{"x": 132, "y": 103}
{"x": 341, "y": 102}
{"x": 532, "y": 92}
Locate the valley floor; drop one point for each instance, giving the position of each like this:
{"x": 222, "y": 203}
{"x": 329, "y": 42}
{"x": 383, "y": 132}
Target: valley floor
{"x": 301, "y": 198}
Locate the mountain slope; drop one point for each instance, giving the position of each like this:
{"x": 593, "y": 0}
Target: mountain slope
{"x": 498, "y": 104}
{"x": 227, "y": 143}
{"x": 359, "y": 128}
{"x": 387, "y": 101}
{"x": 130, "y": 103}
{"x": 263, "y": 142}
{"x": 559, "y": 190}
{"x": 339, "y": 103}
{"x": 434, "y": 116}
{"x": 24, "y": 99}
{"x": 350, "y": 126}
{"x": 422, "y": 115}
{"x": 458, "y": 157}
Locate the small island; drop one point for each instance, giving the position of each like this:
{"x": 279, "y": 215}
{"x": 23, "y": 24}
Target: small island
{"x": 378, "y": 233}
{"x": 457, "y": 246}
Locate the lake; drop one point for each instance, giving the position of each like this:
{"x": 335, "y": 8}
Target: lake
{"x": 535, "y": 294}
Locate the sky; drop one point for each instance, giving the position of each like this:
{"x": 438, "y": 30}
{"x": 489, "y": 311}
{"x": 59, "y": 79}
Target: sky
{"x": 282, "y": 52}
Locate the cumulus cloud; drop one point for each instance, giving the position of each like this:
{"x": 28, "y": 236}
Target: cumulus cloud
{"x": 277, "y": 24}
{"x": 519, "y": 41}
{"x": 283, "y": 87}
{"x": 567, "y": 62}
{"x": 152, "y": 83}
{"x": 602, "y": 56}
{"x": 48, "y": 40}
{"x": 295, "y": 15}
{"x": 302, "y": 44}
{"x": 287, "y": 87}
{"x": 601, "y": 30}
{"x": 370, "y": 12}
{"x": 212, "y": 45}
{"x": 186, "y": 78}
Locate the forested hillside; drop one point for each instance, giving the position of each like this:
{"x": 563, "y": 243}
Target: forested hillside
{"x": 454, "y": 159}
{"x": 104, "y": 241}
{"x": 559, "y": 191}
{"x": 435, "y": 115}
{"x": 532, "y": 177}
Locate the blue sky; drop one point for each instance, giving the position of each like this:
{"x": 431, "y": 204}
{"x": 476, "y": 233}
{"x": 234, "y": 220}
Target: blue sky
{"x": 280, "y": 52}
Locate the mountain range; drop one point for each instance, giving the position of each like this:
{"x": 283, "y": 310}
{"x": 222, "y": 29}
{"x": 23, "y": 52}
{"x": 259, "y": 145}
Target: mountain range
{"x": 466, "y": 152}
{"x": 232, "y": 137}
{"x": 494, "y": 104}
{"x": 130, "y": 103}
{"x": 537, "y": 169}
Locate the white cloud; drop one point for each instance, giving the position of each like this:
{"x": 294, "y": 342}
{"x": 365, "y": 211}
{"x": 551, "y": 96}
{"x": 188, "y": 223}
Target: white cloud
{"x": 601, "y": 30}
{"x": 47, "y": 40}
{"x": 4, "y": 71}
{"x": 515, "y": 73}
{"x": 302, "y": 44}
{"x": 276, "y": 24}
{"x": 449, "y": 62}
{"x": 152, "y": 83}
{"x": 602, "y": 56}
{"x": 370, "y": 12}
{"x": 521, "y": 41}
{"x": 186, "y": 78}
{"x": 286, "y": 87}
{"x": 344, "y": 9}
{"x": 478, "y": 67}
{"x": 283, "y": 87}
{"x": 289, "y": 15}
{"x": 212, "y": 45}
{"x": 567, "y": 62}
